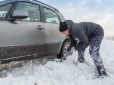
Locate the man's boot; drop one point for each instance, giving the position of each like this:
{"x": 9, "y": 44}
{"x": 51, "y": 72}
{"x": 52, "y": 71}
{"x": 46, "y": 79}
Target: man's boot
{"x": 101, "y": 72}
{"x": 82, "y": 60}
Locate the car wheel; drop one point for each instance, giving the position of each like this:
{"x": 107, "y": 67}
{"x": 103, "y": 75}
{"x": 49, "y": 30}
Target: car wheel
{"x": 63, "y": 50}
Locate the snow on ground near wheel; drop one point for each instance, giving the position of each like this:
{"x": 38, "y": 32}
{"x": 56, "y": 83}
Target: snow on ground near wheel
{"x": 64, "y": 73}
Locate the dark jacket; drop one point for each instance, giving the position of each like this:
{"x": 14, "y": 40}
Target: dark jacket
{"x": 82, "y": 33}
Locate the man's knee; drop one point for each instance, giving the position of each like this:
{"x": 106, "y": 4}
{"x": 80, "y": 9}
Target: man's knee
{"x": 94, "y": 50}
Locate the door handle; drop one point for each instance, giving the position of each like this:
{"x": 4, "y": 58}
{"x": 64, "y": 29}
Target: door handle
{"x": 39, "y": 27}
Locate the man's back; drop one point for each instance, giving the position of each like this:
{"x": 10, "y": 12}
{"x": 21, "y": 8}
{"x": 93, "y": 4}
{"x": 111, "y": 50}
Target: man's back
{"x": 91, "y": 29}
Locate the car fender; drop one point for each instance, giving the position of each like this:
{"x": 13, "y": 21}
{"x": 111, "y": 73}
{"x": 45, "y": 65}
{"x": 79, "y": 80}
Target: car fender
{"x": 62, "y": 42}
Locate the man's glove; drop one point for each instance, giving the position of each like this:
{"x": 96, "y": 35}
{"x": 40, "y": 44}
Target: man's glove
{"x": 67, "y": 54}
{"x": 70, "y": 52}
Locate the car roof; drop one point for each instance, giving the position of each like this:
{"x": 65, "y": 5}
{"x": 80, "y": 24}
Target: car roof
{"x": 35, "y": 1}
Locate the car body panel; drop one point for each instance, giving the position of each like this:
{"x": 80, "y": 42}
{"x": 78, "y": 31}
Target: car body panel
{"x": 52, "y": 38}
{"x": 20, "y": 35}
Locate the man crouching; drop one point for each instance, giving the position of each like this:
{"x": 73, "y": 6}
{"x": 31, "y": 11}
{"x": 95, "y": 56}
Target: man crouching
{"x": 85, "y": 34}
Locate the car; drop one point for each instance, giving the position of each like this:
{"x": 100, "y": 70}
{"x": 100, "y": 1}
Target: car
{"x": 29, "y": 29}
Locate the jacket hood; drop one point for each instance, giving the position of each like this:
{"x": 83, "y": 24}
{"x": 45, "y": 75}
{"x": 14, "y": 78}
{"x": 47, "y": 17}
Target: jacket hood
{"x": 69, "y": 24}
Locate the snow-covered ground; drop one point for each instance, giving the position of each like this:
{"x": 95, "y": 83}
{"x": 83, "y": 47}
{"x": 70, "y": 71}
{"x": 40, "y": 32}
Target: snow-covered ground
{"x": 64, "y": 73}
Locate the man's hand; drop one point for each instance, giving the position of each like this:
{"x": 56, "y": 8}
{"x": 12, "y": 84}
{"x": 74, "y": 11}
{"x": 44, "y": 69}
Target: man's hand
{"x": 68, "y": 53}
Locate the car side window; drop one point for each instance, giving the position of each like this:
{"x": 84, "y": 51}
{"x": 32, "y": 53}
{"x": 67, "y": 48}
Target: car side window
{"x": 51, "y": 16}
{"x": 32, "y": 9}
{"x": 4, "y": 10}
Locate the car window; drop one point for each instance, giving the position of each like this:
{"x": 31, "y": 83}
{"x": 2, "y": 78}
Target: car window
{"x": 4, "y": 10}
{"x": 61, "y": 16}
{"x": 51, "y": 16}
{"x": 32, "y": 9}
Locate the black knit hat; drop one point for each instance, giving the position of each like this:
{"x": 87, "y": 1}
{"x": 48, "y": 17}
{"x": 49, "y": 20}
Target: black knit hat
{"x": 63, "y": 27}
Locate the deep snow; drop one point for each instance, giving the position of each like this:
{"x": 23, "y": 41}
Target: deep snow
{"x": 64, "y": 73}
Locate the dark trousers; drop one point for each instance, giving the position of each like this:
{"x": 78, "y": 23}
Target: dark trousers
{"x": 94, "y": 51}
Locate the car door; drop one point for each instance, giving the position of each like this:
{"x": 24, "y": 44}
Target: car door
{"x": 52, "y": 35}
{"x": 23, "y": 37}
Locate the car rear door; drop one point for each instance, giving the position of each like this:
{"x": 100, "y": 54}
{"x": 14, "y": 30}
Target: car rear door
{"x": 52, "y": 35}
{"x": 23, "y": 37}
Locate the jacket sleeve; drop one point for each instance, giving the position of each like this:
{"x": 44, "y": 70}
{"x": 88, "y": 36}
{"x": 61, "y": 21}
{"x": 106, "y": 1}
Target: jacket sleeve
{"x": 83, "y": 40}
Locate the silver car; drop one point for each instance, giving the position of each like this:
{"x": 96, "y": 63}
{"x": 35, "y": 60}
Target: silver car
{"x": 30, "y": 29}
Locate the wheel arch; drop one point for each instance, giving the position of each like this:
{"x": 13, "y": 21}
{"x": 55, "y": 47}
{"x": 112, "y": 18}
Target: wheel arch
{"x": 62, "y": 43}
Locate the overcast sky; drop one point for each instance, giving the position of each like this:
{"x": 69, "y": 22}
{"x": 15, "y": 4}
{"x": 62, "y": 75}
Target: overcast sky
{"x": 98, "y": 11}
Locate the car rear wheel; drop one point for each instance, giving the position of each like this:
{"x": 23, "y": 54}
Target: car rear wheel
{"x": 63, "y": 50}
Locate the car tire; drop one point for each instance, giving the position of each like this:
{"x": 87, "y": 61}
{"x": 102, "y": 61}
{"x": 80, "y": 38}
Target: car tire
{"x": 63, "y": 50}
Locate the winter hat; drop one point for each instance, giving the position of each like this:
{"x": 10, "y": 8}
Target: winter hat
{"x": 63, "y": 27}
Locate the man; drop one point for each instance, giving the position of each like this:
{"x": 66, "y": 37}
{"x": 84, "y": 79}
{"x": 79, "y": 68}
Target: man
{"x": 82, "y": 35}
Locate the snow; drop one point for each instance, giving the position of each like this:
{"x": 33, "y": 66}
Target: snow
{"x": 64, "y": 73}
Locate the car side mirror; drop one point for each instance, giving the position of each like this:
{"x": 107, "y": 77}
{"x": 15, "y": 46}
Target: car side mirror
{"x": 20, "y": 14}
